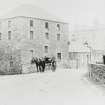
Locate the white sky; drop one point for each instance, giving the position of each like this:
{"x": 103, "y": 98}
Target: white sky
{"x": 76, "y": 12}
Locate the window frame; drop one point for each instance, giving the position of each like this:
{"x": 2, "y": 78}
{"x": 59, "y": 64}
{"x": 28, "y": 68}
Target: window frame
{"x": 9, "y": 23}
{"x": 31, "y": 35}
{"x": 46, "y": 25}
{"x": 59, "y": 55}
{"x": 58, "y": 37}
{"x": 31, "y": 23}
{"x": 47, "y": 35}
{"x": 46, "y": 48}
{"x": 9, "y": 35}
{"x": 58, "y": 27}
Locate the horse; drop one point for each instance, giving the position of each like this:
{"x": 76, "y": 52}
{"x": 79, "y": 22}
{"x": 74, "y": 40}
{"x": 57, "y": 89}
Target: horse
{"x": 35, "y": 61}
{"x": 41, "y": 63}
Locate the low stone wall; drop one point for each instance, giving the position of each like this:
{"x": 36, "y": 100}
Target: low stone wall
{"x": 97, "y": 73}
{"x": 10, "y": 63}
{"x": 28, "y": 68}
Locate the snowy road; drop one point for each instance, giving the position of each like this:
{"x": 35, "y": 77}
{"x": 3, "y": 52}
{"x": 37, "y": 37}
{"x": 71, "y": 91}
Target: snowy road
{"x": 63, "y": 87}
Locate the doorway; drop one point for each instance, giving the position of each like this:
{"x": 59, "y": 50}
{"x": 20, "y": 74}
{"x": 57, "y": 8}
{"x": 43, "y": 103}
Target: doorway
{"x": 59, "y": 56}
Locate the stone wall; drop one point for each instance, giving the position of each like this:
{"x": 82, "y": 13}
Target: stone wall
{"x": 97, "y": 73}
{"x": 10, "y": 63}
{"x": 20, "y": 29}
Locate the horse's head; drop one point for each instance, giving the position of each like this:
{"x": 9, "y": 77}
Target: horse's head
{"x": 32, "y": 60}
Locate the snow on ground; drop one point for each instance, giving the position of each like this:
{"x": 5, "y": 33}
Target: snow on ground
{"x": 63, "y": 87}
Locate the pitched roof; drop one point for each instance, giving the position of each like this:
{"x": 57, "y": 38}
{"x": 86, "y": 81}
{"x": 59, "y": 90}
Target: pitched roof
{"x": 28, "y": 10}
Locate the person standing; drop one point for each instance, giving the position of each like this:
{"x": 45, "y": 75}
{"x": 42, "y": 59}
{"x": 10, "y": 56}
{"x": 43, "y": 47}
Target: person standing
{"x": 43, "y": 64}
{"x": 40, "y": 65}
{"x": 37, "y": 64}
{"x": 53, "y": 64}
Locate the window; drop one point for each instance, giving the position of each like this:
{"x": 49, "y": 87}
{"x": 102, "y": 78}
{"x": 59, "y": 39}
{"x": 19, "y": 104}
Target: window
{"x": 31, "y": 23}
{"x": 46, "y": 49}
{"x": 31, "y": 35}
{"x": 0, "y": 35}
{"x": 9, "y": 35}
{"x": 58, "y": 26}
{"x": 46, "y": 25}
{"x": 59, "y": 56}
{"x": 9, "y": 23}
{"x": 68, "y": 42}
{"x": 58, "y": 36}
{"x": 11, "y": 61}
{"x": 47, "y": 35}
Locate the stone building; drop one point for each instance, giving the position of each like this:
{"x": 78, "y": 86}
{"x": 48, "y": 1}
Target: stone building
{"x": 79, "y": 56}
{"x": 87, "y": 46}
{"x": 35, "y": 36}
